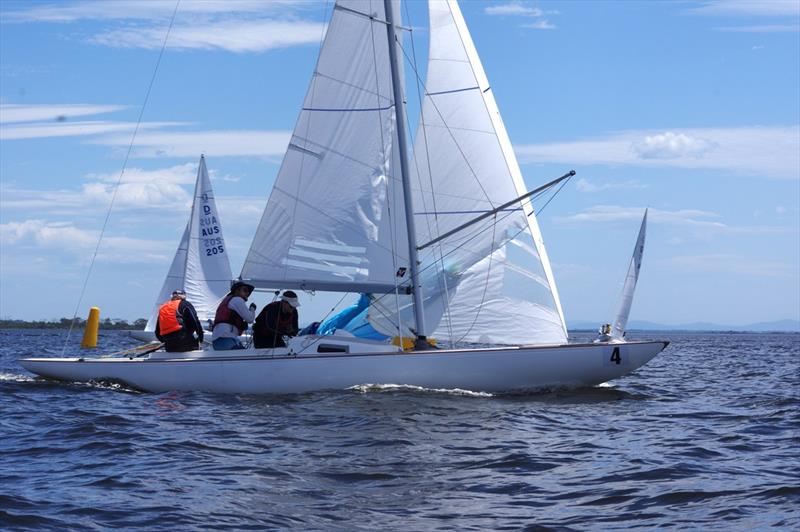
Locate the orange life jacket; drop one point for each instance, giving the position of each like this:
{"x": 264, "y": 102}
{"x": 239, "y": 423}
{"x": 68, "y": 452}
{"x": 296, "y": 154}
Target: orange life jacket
{"x": 169, "y": 321}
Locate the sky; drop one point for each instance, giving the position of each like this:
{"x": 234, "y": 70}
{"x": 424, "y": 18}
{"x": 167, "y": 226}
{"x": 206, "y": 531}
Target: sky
{"x": 688, "y": 108}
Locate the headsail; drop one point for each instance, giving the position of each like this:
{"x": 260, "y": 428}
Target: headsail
{"x": 200, "y": 267}
{"x": 465, "y": 166}
{"x": 626, "y": 298}
{"x": 334, "y": 219}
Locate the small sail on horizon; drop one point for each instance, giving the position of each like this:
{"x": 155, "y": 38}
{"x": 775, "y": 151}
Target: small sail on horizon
{"x": 200, "y": 266}
{"x": 631, "y": 278}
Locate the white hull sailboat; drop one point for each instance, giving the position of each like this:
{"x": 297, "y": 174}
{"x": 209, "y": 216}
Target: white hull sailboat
{"x": 443, "y": 245}
{"x": 200, "y": 267}
{"x": 263, "y": 371}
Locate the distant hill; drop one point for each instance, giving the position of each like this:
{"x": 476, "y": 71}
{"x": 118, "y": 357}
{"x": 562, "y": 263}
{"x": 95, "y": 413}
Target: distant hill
{"x": 764, "y": 326}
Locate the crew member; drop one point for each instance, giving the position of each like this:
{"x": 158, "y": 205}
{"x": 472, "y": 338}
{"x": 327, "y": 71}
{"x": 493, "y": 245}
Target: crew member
{"x": 232, "y": 317}
{"x": 177, "y": 324}
{"x": 276, "y": 320}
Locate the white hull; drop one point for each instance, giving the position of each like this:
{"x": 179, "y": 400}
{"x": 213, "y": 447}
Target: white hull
{"x": 265, "y": 371}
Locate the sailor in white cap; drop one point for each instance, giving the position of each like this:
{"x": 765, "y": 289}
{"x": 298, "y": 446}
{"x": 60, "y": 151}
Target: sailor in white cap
{"x": 276, "y": 320}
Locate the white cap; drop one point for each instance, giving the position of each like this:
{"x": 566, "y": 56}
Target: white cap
{"x": 291, "y": 300}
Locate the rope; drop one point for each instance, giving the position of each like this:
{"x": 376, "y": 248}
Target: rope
{"x": 121, "y": 174}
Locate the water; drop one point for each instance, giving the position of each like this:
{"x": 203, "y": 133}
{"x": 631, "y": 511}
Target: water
{"x": 703, "y": 437}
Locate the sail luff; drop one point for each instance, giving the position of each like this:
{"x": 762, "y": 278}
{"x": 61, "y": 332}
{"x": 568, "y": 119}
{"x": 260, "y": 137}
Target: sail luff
{"x": 631, "y": 278}
{"x": 508, "y": 151}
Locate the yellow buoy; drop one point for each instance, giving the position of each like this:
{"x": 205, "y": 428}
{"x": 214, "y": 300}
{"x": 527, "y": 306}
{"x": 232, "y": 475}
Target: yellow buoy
{"x": 90, "y": 333}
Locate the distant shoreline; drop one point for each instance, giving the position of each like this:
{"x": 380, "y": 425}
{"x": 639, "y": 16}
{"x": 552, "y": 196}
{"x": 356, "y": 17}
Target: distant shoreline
{"x": 80, "y": 323}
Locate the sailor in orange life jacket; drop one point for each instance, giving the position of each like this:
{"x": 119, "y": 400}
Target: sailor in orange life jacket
{"x": 276, "y": 320}
{"x": 232, "y": 317}
{"x": 177, "y": 324}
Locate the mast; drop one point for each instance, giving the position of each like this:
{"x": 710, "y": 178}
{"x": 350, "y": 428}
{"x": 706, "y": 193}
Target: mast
{"x": 400, "y": 114}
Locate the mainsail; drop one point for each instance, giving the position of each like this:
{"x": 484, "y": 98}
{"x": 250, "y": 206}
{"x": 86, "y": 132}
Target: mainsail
{"x": 334, "y": 219}
{"x": 200, "y": 267}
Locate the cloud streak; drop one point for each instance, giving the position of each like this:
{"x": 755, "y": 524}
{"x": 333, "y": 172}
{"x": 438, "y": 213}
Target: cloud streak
{"x": 137, "y": 10}
{"x": 520, "y": 9}
{"x": 699, "y": 221}
{"x": 10, "y": 113}
{"x": 748, "y": 8}
{"x": 758, "y": 151}
{"x": 221, "y": 143}
{"x": 240, "y": 36}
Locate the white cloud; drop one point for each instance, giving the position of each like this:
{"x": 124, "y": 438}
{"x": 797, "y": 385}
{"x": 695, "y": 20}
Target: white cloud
{"x": 66, "y": 237}
{"x": 513, "y": 8}
{"x": 763, "y": 28}
{"x": 139, "y": 189}
{"x": 520, "y": 9}
{"x": 540, "y": 25}
{"x": 671, "y": 145}
{"x": 584, "y": 185}
{"x": 700, "y": 223}
{"x": 59, "y": 112}
{"x": 232, "y": 35}
{"x": 749, "y": 8}
{"x": 213, "y": 143}
{"x": 759, "y": 151}
{"x": 179, "y": 174}
{"x": 72, "y": 129}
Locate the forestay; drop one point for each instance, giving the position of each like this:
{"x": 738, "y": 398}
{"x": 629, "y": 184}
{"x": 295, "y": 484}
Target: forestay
{"x": 335, "y": 217}
{"x": 200, "y": 267}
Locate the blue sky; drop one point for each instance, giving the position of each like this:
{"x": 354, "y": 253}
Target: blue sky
{"x": 689, "y": 108}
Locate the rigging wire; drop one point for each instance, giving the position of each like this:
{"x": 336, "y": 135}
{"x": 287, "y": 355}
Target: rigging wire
{"x": 119, "y": 179}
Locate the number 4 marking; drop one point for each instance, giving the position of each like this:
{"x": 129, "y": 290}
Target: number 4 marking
{"x": 615, "y": 356}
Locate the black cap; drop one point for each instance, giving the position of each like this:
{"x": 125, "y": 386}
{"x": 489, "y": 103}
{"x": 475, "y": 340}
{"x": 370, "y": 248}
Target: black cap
{"x": 178, "y": 292}
{"x": 238, "y": 284}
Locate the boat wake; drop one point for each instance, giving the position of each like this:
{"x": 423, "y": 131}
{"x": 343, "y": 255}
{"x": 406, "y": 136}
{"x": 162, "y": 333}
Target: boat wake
{"x": 380, "y": 388}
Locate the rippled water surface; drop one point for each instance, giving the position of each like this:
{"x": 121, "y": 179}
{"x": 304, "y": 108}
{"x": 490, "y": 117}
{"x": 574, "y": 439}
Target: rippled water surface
{"x": 703, "y": 437}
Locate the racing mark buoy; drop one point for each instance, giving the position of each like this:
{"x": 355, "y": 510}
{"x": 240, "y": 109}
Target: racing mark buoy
{"x": 90, "y": 333}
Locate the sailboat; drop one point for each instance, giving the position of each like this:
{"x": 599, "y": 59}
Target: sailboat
{"x": 444, "y": 245}
{"x": 616, "y": 332}
{"x": 200, "y": 267}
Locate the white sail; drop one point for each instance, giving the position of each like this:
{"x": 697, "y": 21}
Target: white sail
{"x": 626, "y": 298}
{"x": 464, "y": 166}
{"x": 335, "y": 217}
{"x": 201, "y": 266}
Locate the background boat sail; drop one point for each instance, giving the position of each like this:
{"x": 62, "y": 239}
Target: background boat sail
{"x": 345, "y": 214}
{"x": 200, "y": 266}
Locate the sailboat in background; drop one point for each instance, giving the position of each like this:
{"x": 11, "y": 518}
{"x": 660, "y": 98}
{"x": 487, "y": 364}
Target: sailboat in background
{"x": 445, "y": 244}
{"x": 201, "y": 267}
{"x": 615, "y": 332}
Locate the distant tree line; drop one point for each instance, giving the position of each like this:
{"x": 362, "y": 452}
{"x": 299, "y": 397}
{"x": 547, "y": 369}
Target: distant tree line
{"x": 64, "y": 323}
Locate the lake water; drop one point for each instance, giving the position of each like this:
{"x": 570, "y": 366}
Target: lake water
{"x": 704, "y": 437}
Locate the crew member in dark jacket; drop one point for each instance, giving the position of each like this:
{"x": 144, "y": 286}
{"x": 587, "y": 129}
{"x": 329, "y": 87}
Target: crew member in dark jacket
{"x": 177, "y": 324}
{"x": 276, "y": 320}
